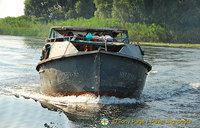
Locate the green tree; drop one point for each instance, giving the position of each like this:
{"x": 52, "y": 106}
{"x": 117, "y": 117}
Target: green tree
{"x": 176, "y": 13}
{"x": 59, "y": 9}
{"x": 41, "y": 8}
{"x": 128, "y": 10}
{"x": 85, "y": 8}
{"x": 68, "y": 8}
{"x": 104, "y": 8}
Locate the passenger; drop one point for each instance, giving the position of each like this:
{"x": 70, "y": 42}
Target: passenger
{"x": 97, "y": 34}
{"x": 67, "y": 34}
{"x": 45, "y": 52}
{"x": 70, "y": 34}
{"x": 96, "y": 37}
{"x": 108, "y": 38}
{"x": 86, "y": 48}
{"x": 80, "y": 37}
{"x": 114, "y": 35}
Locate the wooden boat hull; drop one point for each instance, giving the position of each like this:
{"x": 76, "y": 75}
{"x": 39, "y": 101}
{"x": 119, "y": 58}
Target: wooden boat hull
{"x": 97, "y": 72}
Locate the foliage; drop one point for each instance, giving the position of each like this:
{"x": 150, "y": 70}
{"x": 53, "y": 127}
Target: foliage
{"x": 147, "y": 20}
{"x": 128, "y": 10}
{"x": 25, "y": 26}
{"x": 21, "y": 26}
{"x": 41, "y": 8}
{"x": 104, "y": 8}
{"x": 85, "y": 8}
{"x": 142, "y": 32}
{"x": 59, "y": 9}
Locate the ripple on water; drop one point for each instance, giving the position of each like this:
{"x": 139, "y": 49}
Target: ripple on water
{"x": 25, "y": 113}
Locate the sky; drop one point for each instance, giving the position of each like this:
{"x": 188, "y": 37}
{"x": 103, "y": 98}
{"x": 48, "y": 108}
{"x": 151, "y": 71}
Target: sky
{"x": 11, "y": 8}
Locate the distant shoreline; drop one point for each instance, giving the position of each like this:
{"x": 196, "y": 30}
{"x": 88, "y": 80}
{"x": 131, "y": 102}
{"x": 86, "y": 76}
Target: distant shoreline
{"x": 161, "y": 44}
{"x": 27, "y": 26}
{"x": 170, "y": 44}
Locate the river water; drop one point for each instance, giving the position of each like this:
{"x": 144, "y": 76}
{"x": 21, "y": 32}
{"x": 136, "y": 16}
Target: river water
{"x": 171, "y": 97}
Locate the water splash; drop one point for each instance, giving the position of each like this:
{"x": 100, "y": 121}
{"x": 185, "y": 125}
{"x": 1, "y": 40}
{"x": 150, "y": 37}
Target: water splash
{"x": 149, "y": 95}
{"x": 195, "y": 85}
{"x": 66, "y": 100}
{"x": 153, "y": 72}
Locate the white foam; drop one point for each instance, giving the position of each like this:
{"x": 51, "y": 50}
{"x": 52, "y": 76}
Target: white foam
{"x": 153, "y": 72}
{"x": 115, "y": 100}
{"x": 195, "y": 85}
{"x": 65, "y": 100}
{"x": 32, "y": 92}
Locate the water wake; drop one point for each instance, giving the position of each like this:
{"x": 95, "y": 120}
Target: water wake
{"x": 66, "y": 100}
{"x": 195, "y": 85}
{"x": 149, "y": 95}
{"x": 153, "y": 72}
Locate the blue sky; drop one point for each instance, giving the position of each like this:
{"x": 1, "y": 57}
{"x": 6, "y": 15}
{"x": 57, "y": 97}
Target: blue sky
{"x": 12, "y": 8}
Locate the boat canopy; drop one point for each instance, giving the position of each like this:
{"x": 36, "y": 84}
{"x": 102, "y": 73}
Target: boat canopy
{"x": 60, "y": 32}
{"x": 89, "y": 29}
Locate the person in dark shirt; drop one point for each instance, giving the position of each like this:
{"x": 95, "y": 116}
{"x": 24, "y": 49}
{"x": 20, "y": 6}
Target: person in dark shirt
{"x": 114, "y": 35}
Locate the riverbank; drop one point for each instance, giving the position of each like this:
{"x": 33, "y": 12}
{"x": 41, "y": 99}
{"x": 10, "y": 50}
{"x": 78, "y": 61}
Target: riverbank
{"x": 147, "y": 34}
{"x": 170, "y": 44}
{"x": 26, "y": 26}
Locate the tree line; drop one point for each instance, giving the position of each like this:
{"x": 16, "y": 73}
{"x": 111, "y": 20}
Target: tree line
{"x": 171, "y": 20}
{"x": 180, "y": 16}
{"x": 166, "y": 12}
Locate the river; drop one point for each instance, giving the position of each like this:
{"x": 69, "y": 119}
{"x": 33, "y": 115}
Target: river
{"x": 170, "y": 97}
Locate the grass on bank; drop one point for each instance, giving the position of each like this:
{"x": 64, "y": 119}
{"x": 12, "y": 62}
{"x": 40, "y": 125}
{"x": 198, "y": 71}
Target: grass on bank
{"x": 170, "y": 44}
{"x": 26, "y": 26}
{"x": 147, "y": 34}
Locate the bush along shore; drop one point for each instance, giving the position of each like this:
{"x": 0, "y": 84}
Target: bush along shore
{"x": 26, "y": 26}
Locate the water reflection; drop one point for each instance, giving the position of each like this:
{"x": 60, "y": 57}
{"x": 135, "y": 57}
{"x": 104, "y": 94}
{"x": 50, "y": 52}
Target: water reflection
{"x": 18, "y": 112}
{"x": 20, "y": 42}
{"x": 19, "y": 56}
{"x": 91, "y": 114}
{"x": 34, "y": 43}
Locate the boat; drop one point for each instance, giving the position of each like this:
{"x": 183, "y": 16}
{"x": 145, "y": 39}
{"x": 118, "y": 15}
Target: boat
{"x": 91, "y": 60}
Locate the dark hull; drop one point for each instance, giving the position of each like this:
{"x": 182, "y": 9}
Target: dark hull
{"x": 99, "y": 72}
